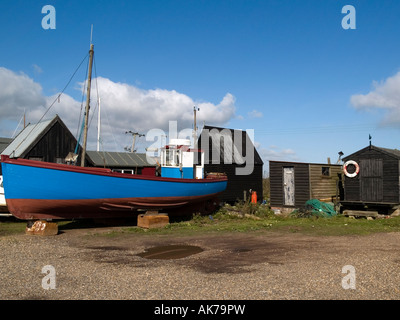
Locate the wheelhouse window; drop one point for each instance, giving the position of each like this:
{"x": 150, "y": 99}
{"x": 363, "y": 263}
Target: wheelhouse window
{"x": 172, "y": 157}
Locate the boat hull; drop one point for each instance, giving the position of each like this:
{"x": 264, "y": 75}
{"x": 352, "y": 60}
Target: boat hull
{"x": 38, "y": 190}
{"x": 3, "y": 204}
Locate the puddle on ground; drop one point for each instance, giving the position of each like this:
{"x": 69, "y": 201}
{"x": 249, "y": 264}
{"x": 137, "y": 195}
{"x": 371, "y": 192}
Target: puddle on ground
{"x": 240, "y": 250}
{"x": 170, "y": 252}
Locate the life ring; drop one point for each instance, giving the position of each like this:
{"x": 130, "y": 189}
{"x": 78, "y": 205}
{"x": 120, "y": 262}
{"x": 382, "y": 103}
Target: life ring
{"x": 355, "y": 164}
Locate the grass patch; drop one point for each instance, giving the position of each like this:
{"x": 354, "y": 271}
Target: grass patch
{"x": 10, "y": 225}
{"x": 236, "y": 219}
{"x": 338, "y": 226}
{"x": 243, "y": 217}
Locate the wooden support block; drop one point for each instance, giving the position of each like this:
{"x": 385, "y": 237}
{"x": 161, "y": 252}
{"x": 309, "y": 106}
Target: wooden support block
{"x": 360, "y": 213}
{"x": 42, "y": 228}
{"x": 149, "y": 221}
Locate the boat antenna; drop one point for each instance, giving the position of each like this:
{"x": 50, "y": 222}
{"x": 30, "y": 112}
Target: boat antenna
{"x": 91, "y": 34}
{"x": 91, "y": 51}
{"x": 195, "y": 109}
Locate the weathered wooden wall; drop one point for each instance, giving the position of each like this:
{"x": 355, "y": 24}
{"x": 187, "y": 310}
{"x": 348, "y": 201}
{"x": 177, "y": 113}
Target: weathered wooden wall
{"x": 220, "y": 156}
{"x": 309, "y": 182}
{"x": 301, "y": 180}
{"x": 324, "y": 186}
{"x": 238, "y": 183}
{"x": 378, "y": 180}
{"x": 55, "y": 145}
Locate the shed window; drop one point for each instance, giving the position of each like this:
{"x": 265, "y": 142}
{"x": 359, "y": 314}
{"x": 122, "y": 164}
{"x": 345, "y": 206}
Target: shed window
{"x": 325, "y": 171}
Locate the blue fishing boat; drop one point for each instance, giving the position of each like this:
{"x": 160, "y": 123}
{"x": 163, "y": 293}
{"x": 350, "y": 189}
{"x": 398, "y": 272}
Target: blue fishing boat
{"x": 42, "y": 190}
{"x": 39, "y": 190}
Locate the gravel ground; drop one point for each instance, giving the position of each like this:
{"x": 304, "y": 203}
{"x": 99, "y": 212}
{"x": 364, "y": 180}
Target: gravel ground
{"x": 236, "y": 266}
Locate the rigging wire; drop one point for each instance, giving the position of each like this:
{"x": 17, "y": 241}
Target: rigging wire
{"x": 18, "y": 125}
{"x": 52, "y": 104}
{"x": 58, "y": 97}
{"x": 82, "y": 99}
{"x": 97, "y": 91}
{"x": 111, "y": 129}
{"x": 103, "y": 156}
{"x": 81, "y": 124}
{"x": 95, "y": 108}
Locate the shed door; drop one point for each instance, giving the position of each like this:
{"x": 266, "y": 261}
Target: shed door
{"x": 288, "y": 186}
{"x": 371, "y": 176}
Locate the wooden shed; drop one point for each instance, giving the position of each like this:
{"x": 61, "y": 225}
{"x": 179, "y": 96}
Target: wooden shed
{"x": 372, "y": 179}
{"x": 232, "y": 152}
{"x": 293, "y": 183}
{"x": 48, "y": 140}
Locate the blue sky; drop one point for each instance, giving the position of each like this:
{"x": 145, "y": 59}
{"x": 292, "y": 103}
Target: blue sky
{"x": 285, "y": 69}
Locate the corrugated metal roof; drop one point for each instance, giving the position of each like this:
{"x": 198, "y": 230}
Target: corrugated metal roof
{"x": 119, "y": 159}
{"x": 26, "y": 138}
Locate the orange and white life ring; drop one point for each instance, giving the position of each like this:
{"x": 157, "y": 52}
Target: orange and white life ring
{"x": 355, "y": 164}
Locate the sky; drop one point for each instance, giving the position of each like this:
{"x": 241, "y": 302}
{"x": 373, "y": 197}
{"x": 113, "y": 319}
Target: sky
{"x": 306, "y": 78}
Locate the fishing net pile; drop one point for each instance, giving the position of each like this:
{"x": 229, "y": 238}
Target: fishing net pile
{"x": 314, "y": 207}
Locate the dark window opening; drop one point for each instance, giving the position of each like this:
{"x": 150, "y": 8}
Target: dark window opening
{"x": 326, "y": 171}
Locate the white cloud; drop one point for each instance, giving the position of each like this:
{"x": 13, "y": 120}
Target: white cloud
{"x": 276, "y": 153}
{"x": 124, "y": 107}
{"x": 385, "y": 95}
{"x": 147, "y": 109}
{"x": 37, "y": 69}
{"x": 18, "y": 93}
{"x": 255, "y": 114}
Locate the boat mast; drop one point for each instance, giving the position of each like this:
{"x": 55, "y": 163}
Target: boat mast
{"x": 85, "y": 130}
{"x": 98, "y": 127}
